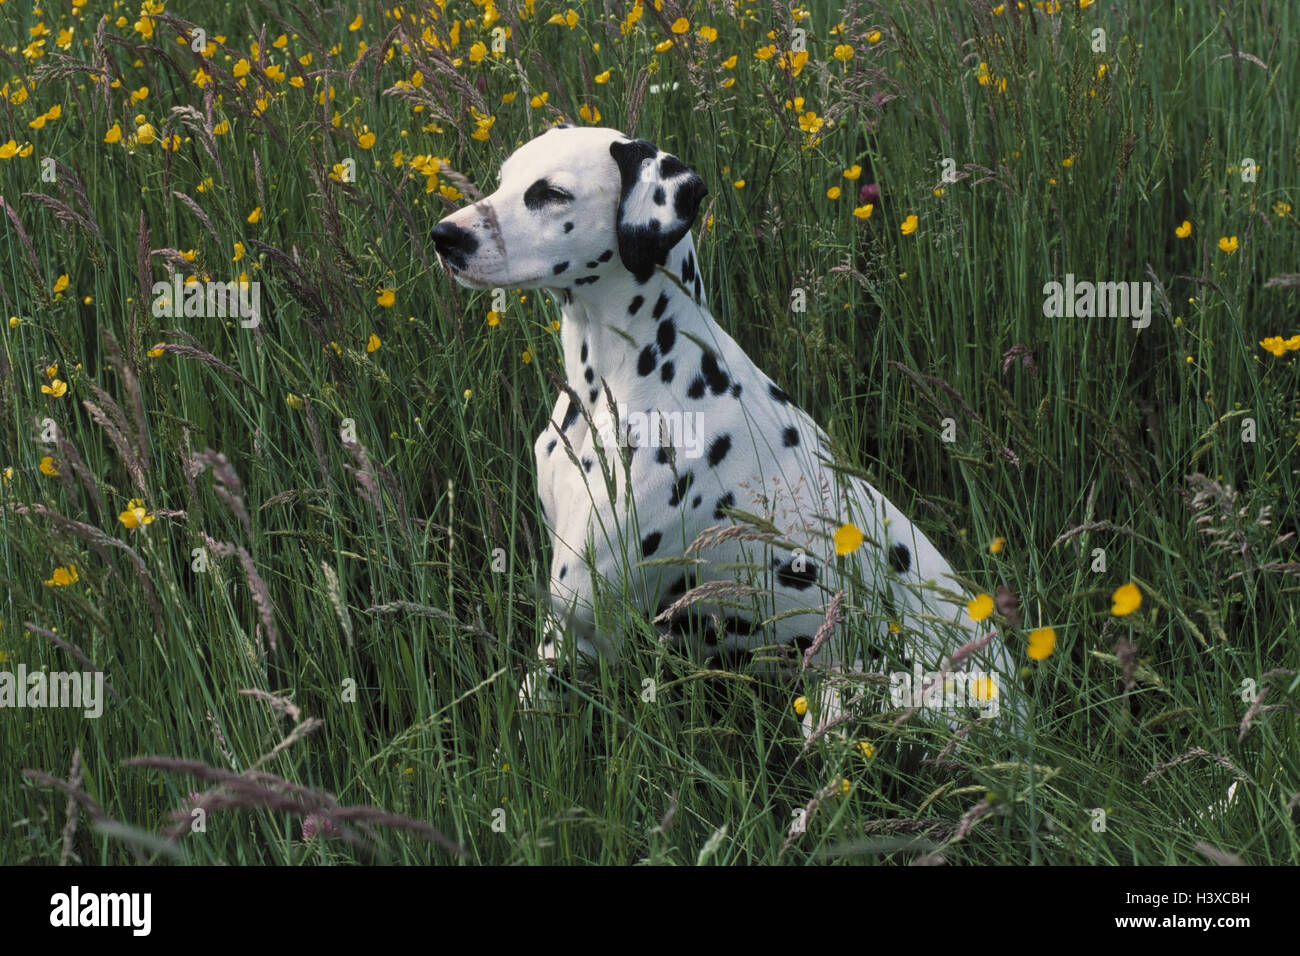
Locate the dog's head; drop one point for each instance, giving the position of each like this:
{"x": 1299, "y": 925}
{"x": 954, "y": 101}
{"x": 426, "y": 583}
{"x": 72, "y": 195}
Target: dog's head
{"x": 572, "y": 204}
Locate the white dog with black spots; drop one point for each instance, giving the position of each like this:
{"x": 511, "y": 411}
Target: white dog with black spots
{"x": 667, "y": 429}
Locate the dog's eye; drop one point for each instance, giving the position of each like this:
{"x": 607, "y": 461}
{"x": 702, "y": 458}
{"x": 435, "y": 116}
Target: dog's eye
{"x": 542, "y": 193}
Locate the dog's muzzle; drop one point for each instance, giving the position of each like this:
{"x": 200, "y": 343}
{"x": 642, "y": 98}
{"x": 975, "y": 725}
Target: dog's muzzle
{"x": 454, "y": 244}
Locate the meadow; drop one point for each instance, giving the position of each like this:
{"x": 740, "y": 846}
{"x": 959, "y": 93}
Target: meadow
{"x": 304, "y": 549}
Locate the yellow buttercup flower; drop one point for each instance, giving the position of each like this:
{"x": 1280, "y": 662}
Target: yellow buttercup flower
{"x": 1228, "y": 244}
{"x": 1126, "y": 599}
{"x": 255, "y": 216}
{"x": 864, "y": 212}
{"x": 865, "y": 748}
{"x": 373, "y": 343}
{"x": 980, "y": 608}
{"x": 62, "y": 577}
{"x": 800, "y": 705}
{"x": 48, "y": 467}
{"x": 909, "y": 225}
{"x": 135, "y": 515}
{"x": 1041, "y": 643}
{"x": 114, "y": 134}
{"x": 1275, "y": 344}
{"x": 57, "y": 388}
{"x": 61, "y": 283}
{"x": 848, "y": 538}
{"x": 1183, "y": 231}
{"x": 386, "y": 298}
{"x": 996, "y": 545}
{"x": 985, "y": 688}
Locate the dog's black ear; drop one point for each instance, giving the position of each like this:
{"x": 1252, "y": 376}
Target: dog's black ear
{"x": 657, "y": 204}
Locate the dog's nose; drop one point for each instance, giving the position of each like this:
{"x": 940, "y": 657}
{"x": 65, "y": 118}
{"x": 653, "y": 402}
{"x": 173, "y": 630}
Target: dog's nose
{"x": 454, "y": 243}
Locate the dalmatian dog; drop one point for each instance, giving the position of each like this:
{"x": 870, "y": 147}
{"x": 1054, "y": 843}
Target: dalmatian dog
{"x": 674, "y": 471}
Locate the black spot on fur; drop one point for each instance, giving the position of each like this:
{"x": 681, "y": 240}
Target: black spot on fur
{"x": 718, "y": 449}
{"x": 570, "y": 416}
{"x": 680, "y": 487}
{"x": 637, "y": 301}
{"x": 667, "y": 336}
{"x": 790, "y": 437}
{"x": 695, "y": 502}
{"x": 582, "y": 356}
{"x": 697, "y": 387}
{"x": 586, "y": 280}
{"x": 560, "y": 267}
{"x": 605, "y": 256}
{"x": 736, "y": 390}
{"x": 650, "y": 543}
{"x": 780, "y": 395}
{"x": 671, "y": 166}
{"x": 564, "y": 569}
{"x": 550, "y": 446}
{"x": 713, "y": 374}
{"x": 803, "y": 642}
{"x": 587, "y": 463}
{"x": 688, "y": 269}
{"x": 731, "y": 659}
{"x": 666, "y": 372}
{"x": 593, "y": 395}
{"x": 799, "y": 580}
{"x": 592, "y": 264}
{"x": 740, "y": 625}
{"x": 900, "y": 559}
{"x": 661, "y": 455}
{"x": 568, "y": 227}
{"x": 660, "y": 304}
{"x": 589, "y": 375}
{"x": 726, "y": 501}
{"x": 660, "y": 197}
{"x": 646, "y": 363}
{"x": 699, "y": 289}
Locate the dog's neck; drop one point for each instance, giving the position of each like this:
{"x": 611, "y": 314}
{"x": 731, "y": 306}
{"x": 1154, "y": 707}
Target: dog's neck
{"x": 617, "y": 319}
